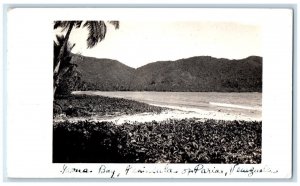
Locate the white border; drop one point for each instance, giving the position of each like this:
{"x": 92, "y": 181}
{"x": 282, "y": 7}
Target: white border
{"x": 27, "y": 72}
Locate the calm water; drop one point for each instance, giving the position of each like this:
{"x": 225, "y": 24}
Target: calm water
{"x": 247, "y": 103}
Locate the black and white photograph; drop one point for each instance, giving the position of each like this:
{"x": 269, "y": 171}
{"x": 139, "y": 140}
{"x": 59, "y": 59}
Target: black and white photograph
{"x": 149, "y": 93}
{"x": 157, "y": 92}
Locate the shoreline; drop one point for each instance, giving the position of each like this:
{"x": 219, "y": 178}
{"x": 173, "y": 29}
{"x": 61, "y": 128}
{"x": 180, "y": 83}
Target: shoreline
{"x": 121, "y": 110}
{"x": 113, "y": 130}
{"x": 174, "y": 113}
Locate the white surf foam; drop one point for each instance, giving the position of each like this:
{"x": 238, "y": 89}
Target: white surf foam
{"x": 234, "y": 106}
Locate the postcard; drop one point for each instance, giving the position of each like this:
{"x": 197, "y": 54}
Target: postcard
{"x": 149, "y": 93}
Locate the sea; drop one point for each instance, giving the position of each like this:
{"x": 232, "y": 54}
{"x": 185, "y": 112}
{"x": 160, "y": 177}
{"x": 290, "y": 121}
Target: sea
{"x": 247, "y": 104}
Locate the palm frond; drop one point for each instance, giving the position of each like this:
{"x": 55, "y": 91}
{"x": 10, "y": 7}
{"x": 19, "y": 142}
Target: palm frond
{"x": 58, "y": 44}
{"x": 70, "y": 46}
{"x": 65, "y": 24}
{"x": 60, "y": 39}
{"x": 97, "y": 29}
{"x": 97, "y": 32}
{"x": 102, "y": 29}
{"x": 116, "y": 24}
{"x": 62, "y": 24}
{"x": 78, "y": 24}
{"x": 57, "y": 24}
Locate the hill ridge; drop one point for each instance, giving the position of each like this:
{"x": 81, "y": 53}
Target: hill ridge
{"x": 197, "y": 73}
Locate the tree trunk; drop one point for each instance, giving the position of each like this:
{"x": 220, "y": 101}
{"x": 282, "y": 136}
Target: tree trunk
{"x": 56, "y": 78}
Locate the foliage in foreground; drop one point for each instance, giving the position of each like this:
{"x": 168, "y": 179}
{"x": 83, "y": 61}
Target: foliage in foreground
{"x": 84, "y": 105}
{"x": 173, "y": 141}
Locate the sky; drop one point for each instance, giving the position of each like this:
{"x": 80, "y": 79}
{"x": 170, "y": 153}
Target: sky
{"x": 137, "y": 43}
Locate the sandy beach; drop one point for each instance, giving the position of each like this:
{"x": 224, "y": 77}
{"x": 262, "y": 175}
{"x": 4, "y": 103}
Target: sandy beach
{"x": 173, "y": 113}
{"x": 95, "y": 129}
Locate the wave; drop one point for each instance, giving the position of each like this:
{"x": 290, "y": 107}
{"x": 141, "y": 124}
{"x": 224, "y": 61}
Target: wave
{"x": 234, "y": 106}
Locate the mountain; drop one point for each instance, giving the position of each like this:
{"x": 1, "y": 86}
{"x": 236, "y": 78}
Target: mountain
{"x": 103, "y": 74}
{"x": 201, "y": 73}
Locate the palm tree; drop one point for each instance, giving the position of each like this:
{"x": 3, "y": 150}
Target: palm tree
{"x": 67, "y": 51}
{"x": 67, "y": 68}
{"x": 97, "y": 32}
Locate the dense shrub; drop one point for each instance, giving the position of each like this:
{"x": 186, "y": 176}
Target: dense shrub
{"x": 84, "y": 105}
{"x": 174, "y": 141}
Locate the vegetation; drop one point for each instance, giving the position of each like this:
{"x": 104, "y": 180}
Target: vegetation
{"x": 96, "y": 33}
{"x": 103, "y": 74}
{"x": 70, "y": 77}
{"x": 195, "y": 74}
{"x": 173, "y": 141}
{"x": 84, "y": 105}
